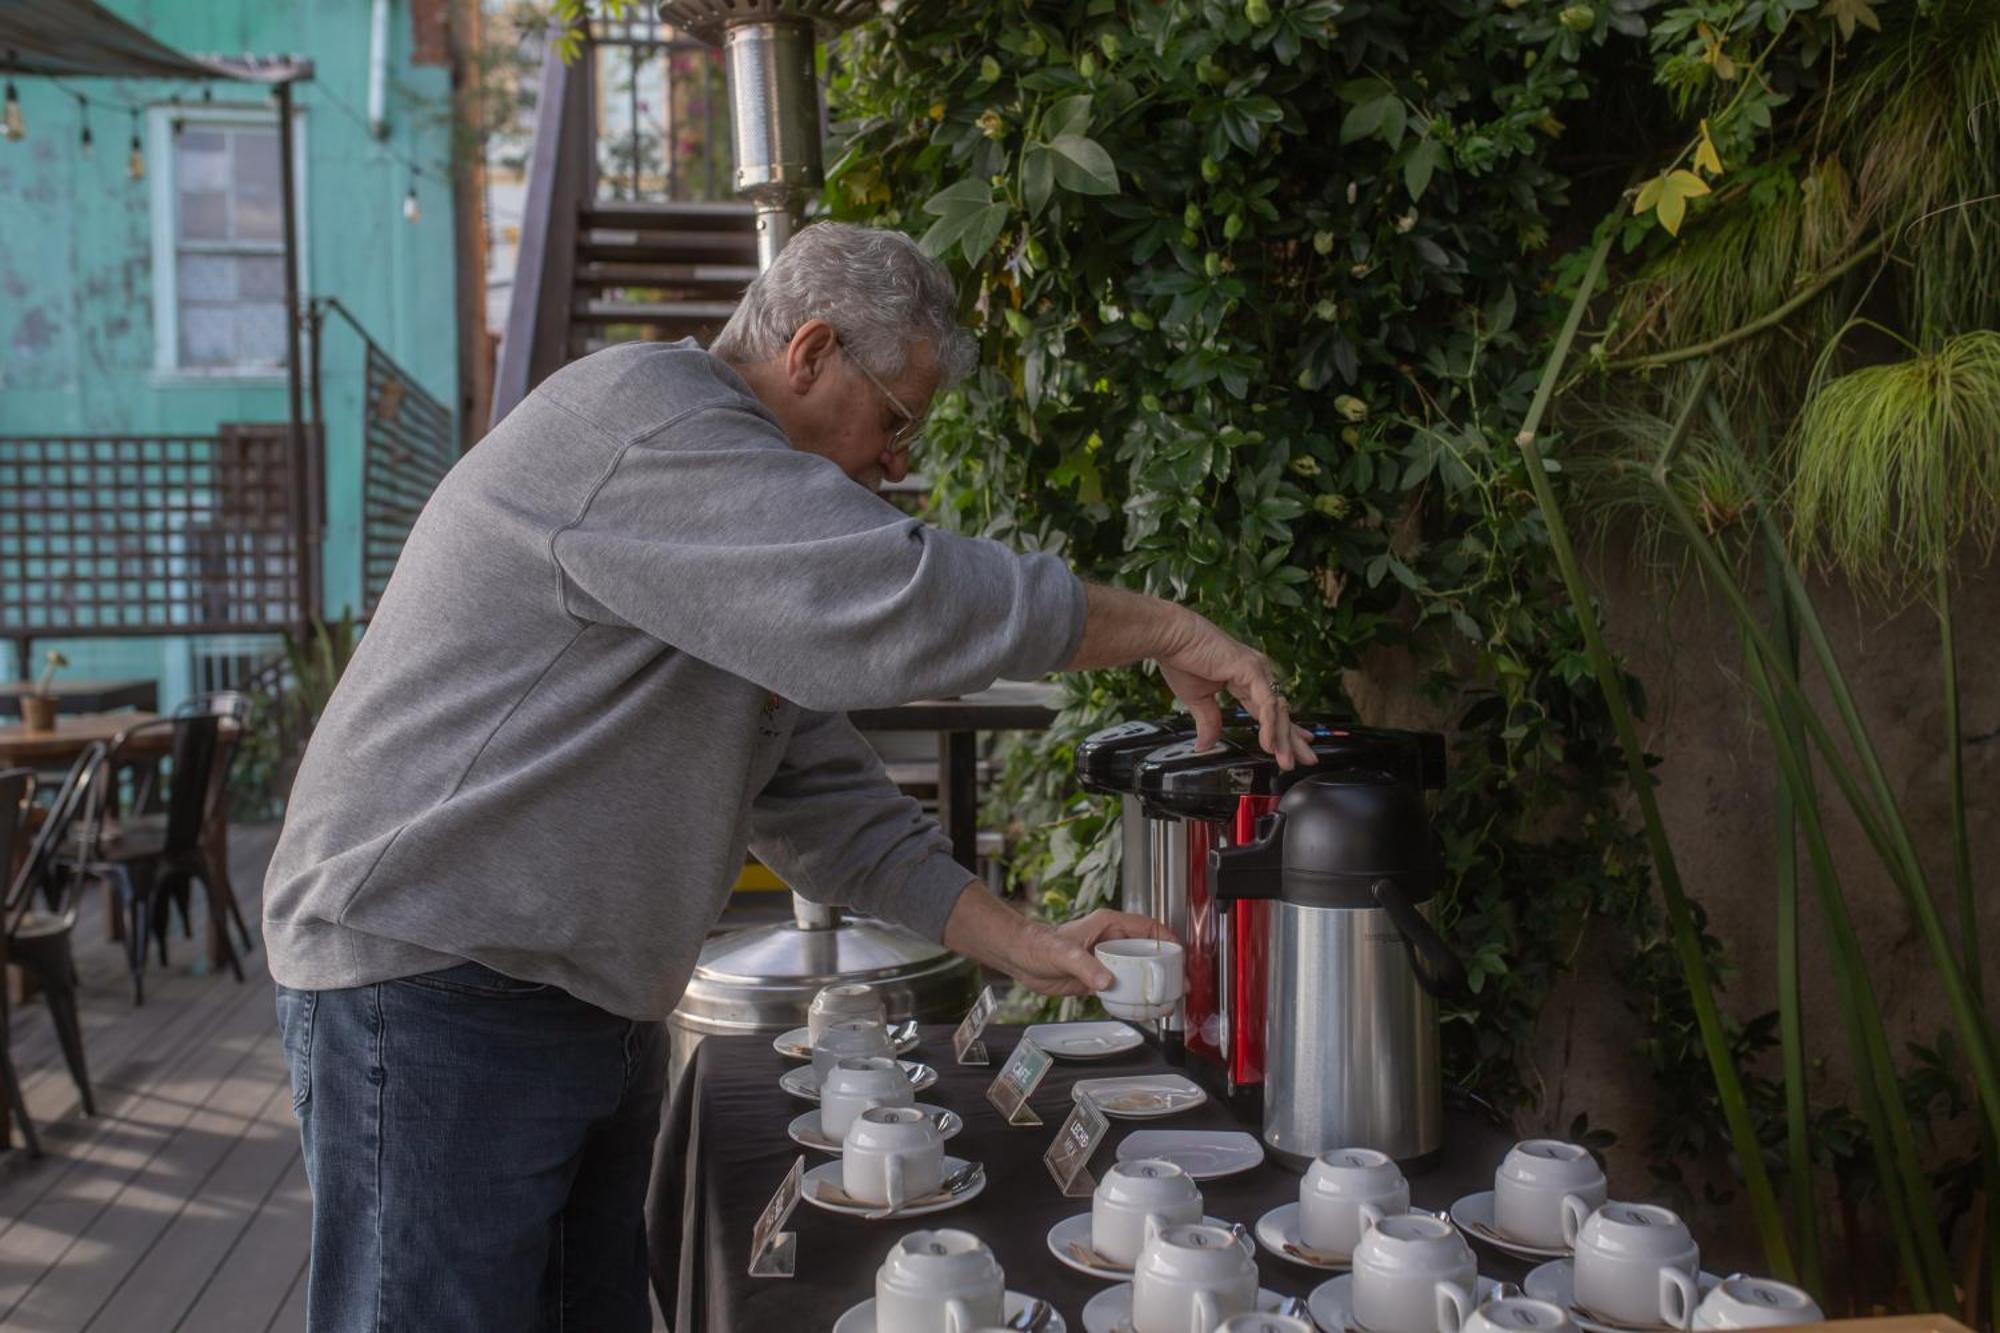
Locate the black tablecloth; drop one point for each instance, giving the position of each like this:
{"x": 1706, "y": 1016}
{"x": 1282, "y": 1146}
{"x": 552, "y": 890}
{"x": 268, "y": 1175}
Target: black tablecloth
{"x": 725, "y": 1131}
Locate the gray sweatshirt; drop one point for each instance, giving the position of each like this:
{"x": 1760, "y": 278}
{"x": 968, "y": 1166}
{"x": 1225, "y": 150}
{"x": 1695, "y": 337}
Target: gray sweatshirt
{"x": 616, "y": 651}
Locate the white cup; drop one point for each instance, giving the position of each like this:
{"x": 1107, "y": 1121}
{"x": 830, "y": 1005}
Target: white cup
{"x": 1636, "y": 1263}
{"x": 1518, "y": 1314}
{"x": 856, "y": 1083}
{"x": 940, "y": 1281}
{"x": 1145, "y": 977}
{"x": 841, "y": 1003}
{"x": 1134, "y": 1201}
{"x": 851, "y": 1037}
{"x": 1413, "y": 1274}
{"x": 1190, "y": 1278}
{"x": 1754, "y": 1302}
{"x": 1265, "y": 1323}
{"x": 1531, "y": 1184}
{"x": 1343, "y": 1192}
{"x": 891, "y": 1155}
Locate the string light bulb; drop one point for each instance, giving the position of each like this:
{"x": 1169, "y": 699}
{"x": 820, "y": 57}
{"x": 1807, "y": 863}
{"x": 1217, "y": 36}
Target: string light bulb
{"x": 135, "y": 165}
{"x": 16, "y": 126}
{"x": 83, "y": 112}
{"x": 412, "y": 210}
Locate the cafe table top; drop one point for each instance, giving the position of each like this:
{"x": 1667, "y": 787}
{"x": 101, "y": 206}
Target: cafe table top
{"x": 726, "y": 1127}
{"x": 84, "y": 696}
{"x": 74, "y": 734}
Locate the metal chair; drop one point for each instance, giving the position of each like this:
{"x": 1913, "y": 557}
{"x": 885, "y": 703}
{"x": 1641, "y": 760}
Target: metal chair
{"x": 17, "y": 789}
{"x": 234, "y": 707}
{"x": 149, "y": 863}
{"x": 38, "y": 938}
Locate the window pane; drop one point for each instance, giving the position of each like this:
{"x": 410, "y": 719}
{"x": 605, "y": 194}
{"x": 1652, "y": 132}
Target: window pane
{"x": 201, "y": 158}
{"x": 208, "y": 277}
{"x": 204, "y": 215}
{"x": 257, "y": 213}
{"x": 258, "y": 216}
{"x": 261, "y": 278}
{"x": 260, "y": 335}
{"x": 208, "y": 335}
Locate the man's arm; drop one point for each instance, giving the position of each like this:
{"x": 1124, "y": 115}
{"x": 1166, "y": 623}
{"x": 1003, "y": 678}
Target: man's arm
{"x": 1054, "y": 960}
{"x": 1199, "y": 662}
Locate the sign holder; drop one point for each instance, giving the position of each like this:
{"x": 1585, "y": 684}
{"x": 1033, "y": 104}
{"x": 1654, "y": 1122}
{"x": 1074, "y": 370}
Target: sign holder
{"x": 1068, "y": 1155}
{"x": 775, "y": 1253}
{"x": 1017, "y": 1081}
{"x": 965, "y": 1042}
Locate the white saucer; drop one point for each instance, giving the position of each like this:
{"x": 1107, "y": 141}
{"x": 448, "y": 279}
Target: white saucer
{"x": 803, "y": 1082}
{"x": 1330, "y": 1305}
{"x": 861, "y": 1319}
{"x": 1075, "y": 1231}
{"x": 830, "y": 1173}
{"x": 1141, "y": 1096}
{"x": 1085, "y": 1041}
{"x": 1204, "y": 1154}
{"x": 1110, "y": 1310}
{"x": 805, "y": 1129}
{"x": 797, "y": 1043}
{"x": 1278, "y": 1232}
{"x": 1555, "y": 1282}
{"x": 1474, "y": 1216}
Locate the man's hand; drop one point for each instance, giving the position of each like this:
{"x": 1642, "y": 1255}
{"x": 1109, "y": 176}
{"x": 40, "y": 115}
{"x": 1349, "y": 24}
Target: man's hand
{"x": 1051, "y": 960}
{"x": 1199, "y": 662}
{"x": 1203, "y": 662}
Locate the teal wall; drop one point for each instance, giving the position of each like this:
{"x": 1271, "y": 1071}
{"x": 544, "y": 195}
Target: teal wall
{"x": 76, "y": 264}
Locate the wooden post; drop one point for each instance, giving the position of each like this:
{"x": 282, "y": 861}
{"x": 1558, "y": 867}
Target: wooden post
{"x": 294, "y": 371}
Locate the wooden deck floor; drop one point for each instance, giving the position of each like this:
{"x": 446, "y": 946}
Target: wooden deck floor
{"x": 182, "y": 1204}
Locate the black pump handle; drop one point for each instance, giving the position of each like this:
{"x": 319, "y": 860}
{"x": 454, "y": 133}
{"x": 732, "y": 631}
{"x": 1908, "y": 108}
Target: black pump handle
{"x": 1437, "y": 967}
{"x": 1253, "y": 870}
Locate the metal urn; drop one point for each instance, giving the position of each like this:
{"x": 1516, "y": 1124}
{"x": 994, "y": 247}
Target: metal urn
{"x": 763, "y": 978}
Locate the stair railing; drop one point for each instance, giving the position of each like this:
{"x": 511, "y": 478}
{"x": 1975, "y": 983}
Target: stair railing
{"x": 562, "y": 177}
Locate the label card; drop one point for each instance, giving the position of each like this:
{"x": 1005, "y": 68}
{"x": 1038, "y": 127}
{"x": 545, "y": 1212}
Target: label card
{"x": 965, "y": 1042}
{"x": 775, "y": 1253}
{"x": 1068, "y": 1156}
{"x": 1017, "y": 1082}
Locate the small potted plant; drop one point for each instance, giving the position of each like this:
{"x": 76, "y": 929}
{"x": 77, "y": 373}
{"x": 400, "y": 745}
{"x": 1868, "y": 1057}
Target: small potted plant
{"x": 38, "y": 707}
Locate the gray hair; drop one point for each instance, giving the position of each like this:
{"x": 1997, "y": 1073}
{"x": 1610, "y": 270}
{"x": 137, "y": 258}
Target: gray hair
{"x": 879, "y": 291}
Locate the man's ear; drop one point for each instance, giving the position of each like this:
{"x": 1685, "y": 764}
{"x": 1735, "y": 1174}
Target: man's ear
{"x": 809, "y": 354}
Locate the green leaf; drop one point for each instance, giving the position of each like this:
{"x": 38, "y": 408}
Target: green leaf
{"x": 1083, "y": 166}
{"x": 959, "y": 197}
{"x": 1383, "y": 115}
{"x": 1071, "y": 116}
{"x": 1424, "y": 159}
{"x": 1847, "y": 13}
{"x": 983, "y": 230}
{"x": 1038, "y": 179}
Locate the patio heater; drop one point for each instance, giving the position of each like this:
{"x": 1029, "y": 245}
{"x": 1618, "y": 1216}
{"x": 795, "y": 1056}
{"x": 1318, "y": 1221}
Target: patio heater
{"x": 761, "y": 979}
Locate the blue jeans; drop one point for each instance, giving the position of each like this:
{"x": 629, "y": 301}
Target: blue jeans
{"x": 478, "y": 1149}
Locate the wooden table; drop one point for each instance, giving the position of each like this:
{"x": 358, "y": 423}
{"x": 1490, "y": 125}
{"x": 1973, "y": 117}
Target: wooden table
{"x": 59, "y": 748}
{"x": 1010, "y": 706}
{"x": 85, "y": 696}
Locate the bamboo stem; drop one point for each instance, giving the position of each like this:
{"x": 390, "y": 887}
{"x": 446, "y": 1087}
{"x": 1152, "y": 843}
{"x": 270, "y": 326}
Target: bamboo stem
{"x": 1906, "y": 1189}
{"x": 1687, "y": 942}
{"x": 1791, "y": 1018}
{"x": 1770, "y": 319}
{"x": 1894, "y": 850}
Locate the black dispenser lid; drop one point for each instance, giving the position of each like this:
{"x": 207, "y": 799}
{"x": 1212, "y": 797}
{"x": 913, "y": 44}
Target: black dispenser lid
{"x": 1108, "y": 760}
{"x": 1332, "y": 840}
{"x": 1205, "y": 784}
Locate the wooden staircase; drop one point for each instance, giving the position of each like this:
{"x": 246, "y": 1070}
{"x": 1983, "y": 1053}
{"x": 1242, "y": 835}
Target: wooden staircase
{"x": 660, "y": 271}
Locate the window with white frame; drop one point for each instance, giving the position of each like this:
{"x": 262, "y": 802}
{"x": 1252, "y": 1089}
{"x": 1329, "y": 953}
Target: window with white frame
{"x": 219, "y": 268}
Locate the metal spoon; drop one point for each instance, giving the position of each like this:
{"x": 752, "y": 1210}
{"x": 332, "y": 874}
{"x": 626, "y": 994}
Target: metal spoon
{"x": 951, "y": 1186}
{"x": 1034, "y": 1317}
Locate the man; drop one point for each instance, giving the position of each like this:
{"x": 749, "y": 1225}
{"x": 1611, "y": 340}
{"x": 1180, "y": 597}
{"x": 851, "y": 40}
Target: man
{"x": 617, "y": 651}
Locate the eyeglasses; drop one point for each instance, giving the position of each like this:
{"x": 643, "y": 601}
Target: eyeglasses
{"x": 905, "y": 435}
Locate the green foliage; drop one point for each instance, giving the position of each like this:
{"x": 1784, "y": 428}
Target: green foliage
{"x": 1895, "y": 466}
{"x": 1261, "y": 302}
